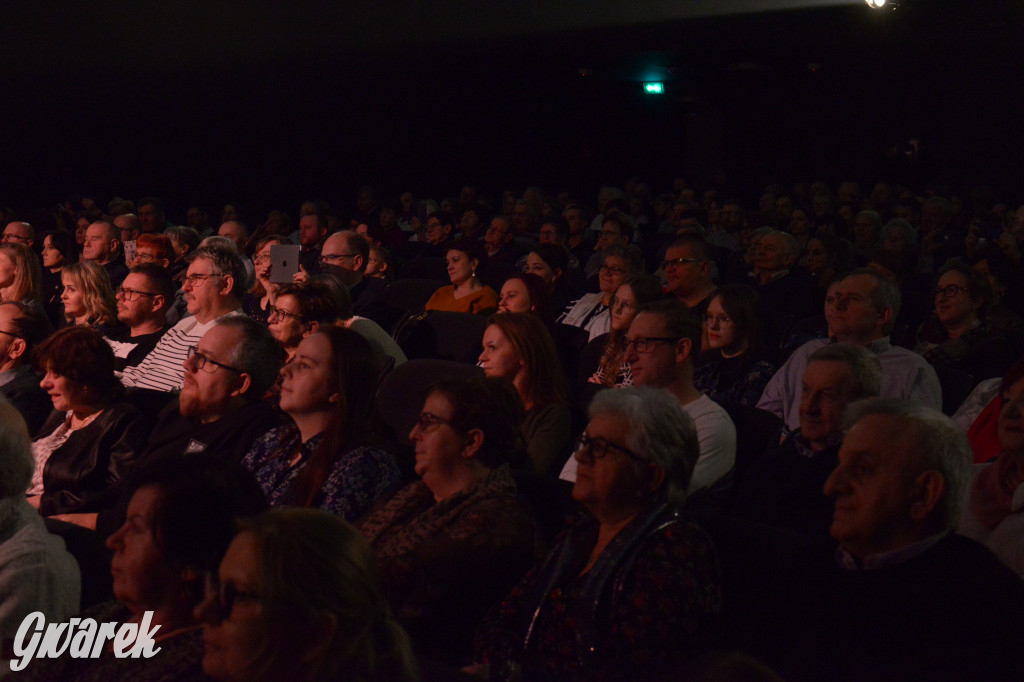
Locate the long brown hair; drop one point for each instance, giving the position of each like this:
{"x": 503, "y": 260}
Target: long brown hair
{"x": 354, "y": 371}
{"x": 646, "y": 288}
{"x": 544, "y": 382}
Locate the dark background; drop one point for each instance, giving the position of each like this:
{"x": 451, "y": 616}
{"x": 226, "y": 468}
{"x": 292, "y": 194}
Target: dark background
{"x": 266, "y": 103}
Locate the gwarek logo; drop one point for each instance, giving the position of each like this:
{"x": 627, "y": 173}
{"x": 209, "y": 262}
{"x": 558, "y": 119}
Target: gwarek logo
{"x": 81, "y": 638}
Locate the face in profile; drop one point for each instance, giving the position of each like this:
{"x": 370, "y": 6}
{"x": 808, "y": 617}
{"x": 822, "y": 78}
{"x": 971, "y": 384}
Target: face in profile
{"x": 515, "y": 297}
{"x": 233, "y": 614}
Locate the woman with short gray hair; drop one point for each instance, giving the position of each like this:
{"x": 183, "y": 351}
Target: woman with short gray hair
{"x": 634, "y": 589}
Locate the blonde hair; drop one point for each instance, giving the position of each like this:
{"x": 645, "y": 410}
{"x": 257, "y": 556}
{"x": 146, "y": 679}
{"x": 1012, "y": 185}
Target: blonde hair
{"x": 97, "y": 294}
{"x": 27, "y": 280}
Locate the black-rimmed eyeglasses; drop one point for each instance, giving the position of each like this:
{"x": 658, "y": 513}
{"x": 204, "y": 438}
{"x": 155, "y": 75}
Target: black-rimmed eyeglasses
{"x": 200, "y": 361}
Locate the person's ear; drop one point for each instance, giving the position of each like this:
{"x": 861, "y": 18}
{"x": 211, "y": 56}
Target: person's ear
{"x": 657, "y": 478}
{"x": 928, "y": 489}
{"x": 312, "y": 328}
{"x": 166, "y": 263}
{"x": 683, "y": 349}
{"x": 158, "y": 301}
{"x": 321, "y": 635}
{"x": 884, "y": 318}
{"x": 474, "y": 439}
{"x": 229, "y": 285}
{"x": 17, "y": 349}
{"x": 244, "y": 382}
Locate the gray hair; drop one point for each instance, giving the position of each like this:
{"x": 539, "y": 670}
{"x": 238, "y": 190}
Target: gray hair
{"x": 659, "y": 432}
{"x": 258, "y": 354}
{"x": 228, "y": 262}
{"x": 885, "y": 294}
{"x": 789, "y": 242}
{"x": 865, "y": 369}
{"x": 220, "y": 242}
{"x": 628, "y": 253}
{"x": 940, "y": 446}
{"x": 899, "y": 225}
{"x": 16, "y": 461}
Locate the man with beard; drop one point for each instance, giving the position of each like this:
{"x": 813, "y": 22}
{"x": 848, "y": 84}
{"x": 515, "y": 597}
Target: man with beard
{"x": 220, "y": 408}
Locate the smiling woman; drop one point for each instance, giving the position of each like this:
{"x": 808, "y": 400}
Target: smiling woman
{"x": 91, "y": 439}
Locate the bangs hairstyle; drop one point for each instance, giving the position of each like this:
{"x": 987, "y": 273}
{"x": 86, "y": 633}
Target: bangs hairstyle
{"x": 543, "y": 381}
{"x": 160, "y": 243}
{"x": 84, "y": 357}
{"x": 92, "y": 280}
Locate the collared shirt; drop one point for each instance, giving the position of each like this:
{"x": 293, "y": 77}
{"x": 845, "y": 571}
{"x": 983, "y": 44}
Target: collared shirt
{"x": 7, "y": 376}
{"x": 905, "y": 375}
{"x": 873, "y": 562}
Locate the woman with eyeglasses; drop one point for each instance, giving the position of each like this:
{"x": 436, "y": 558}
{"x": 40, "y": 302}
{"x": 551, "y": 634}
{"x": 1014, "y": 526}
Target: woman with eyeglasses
{"x": 263, "y": 295}
{"x": 181, "y": 516}
{"x": 731, "y": 370}
{"x": 591, "y": 311}
{"x": 466, "y": 293}
{"x": 326, "y": 457}
{"x": 631, "y": 590}
{"x": 298, "y": 311}
{"x": 88, "y": 297}
{"x": 612, "y": 371}
{"x": 959, "y": 336}
{"x": 297, "y": 598}
{"x": 451, "y": 544}
{"x": 91, "y": 439}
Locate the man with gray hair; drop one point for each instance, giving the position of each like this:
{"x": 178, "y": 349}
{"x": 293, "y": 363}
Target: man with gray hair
{"x": 36, "y": 571}
{"x": 911, "y": 599}
{"x": 213, "y": 288}
{"x": 785, "y": 299}
{"x": 783, "y": 488}
{"x": 860, "y": 309}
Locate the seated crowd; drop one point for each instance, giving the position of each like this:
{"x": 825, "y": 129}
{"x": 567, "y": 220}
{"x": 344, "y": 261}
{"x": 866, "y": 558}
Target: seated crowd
{"x": 674, "y": 437}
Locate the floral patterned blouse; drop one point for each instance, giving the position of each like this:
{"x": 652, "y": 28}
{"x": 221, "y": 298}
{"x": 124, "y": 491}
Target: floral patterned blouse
{"x": 359, "y": 479}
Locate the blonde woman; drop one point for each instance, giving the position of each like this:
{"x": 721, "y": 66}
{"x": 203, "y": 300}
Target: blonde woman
{"x": 19, "y": 275}
{"x": 88, "y": 297}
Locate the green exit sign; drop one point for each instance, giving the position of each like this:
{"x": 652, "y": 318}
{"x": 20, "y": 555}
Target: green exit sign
{"x": 654, "y": 88}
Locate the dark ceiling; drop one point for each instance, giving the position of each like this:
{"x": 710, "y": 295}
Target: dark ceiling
{"x": 269, "y": 102}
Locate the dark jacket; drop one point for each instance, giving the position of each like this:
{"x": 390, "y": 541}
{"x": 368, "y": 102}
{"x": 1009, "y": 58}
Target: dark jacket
{"x": 82, "y": 474}
{"x": 24, "y": 392}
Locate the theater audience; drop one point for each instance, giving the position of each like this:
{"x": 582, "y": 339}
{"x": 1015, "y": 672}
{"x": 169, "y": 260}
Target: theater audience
{"x": 863, "y": 309}
{"x": 993, "y": 513}
{"x": 525, "y": 292}
{"x": 103, "y": 246}
{"x": 297, "y": 597}
{"x": 91, "y": 439}
{"x": 785, "y": 298}
{"x": 466, "y": 293}
{"x": 732, "y": 369}
{"x": 451, "y": 544}
{"x": 22, "y": 328}
{"x": 383, "y": 345}
{"x": 325, "y": 458}
{"x": 590, "y": 312}
{"x": 184, "y": 240}
{"x": 88, "y": 299}
{"x": 19, "y": 275}
{"x": 912, "y": 600}
{"x": 263, "y": 295}
{"x": 300, "y": 310}
{"x": 518, "y": 347}
{"x": 58, "y": 251}
{"x": 212, "y": 290}
{"x": 633, "y": 588}
{"x": 181, "y": 515}
{"x": 783, "y": 487}
{"x": 551, "y": 263}
{"x": 345, "y": 255}
{"x": 36, "y": 572}
{"x": 143, "y": 300}
{"x": 153, "y": 248}
{"x": 220, "y": 408}
{"x": 958, "y": 335}
{"x": 634, "y": 293}
{"x": 687, "y": 265}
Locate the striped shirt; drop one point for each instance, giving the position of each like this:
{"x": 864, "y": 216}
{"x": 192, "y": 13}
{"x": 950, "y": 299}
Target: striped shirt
{"x": 163, "y": 369}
